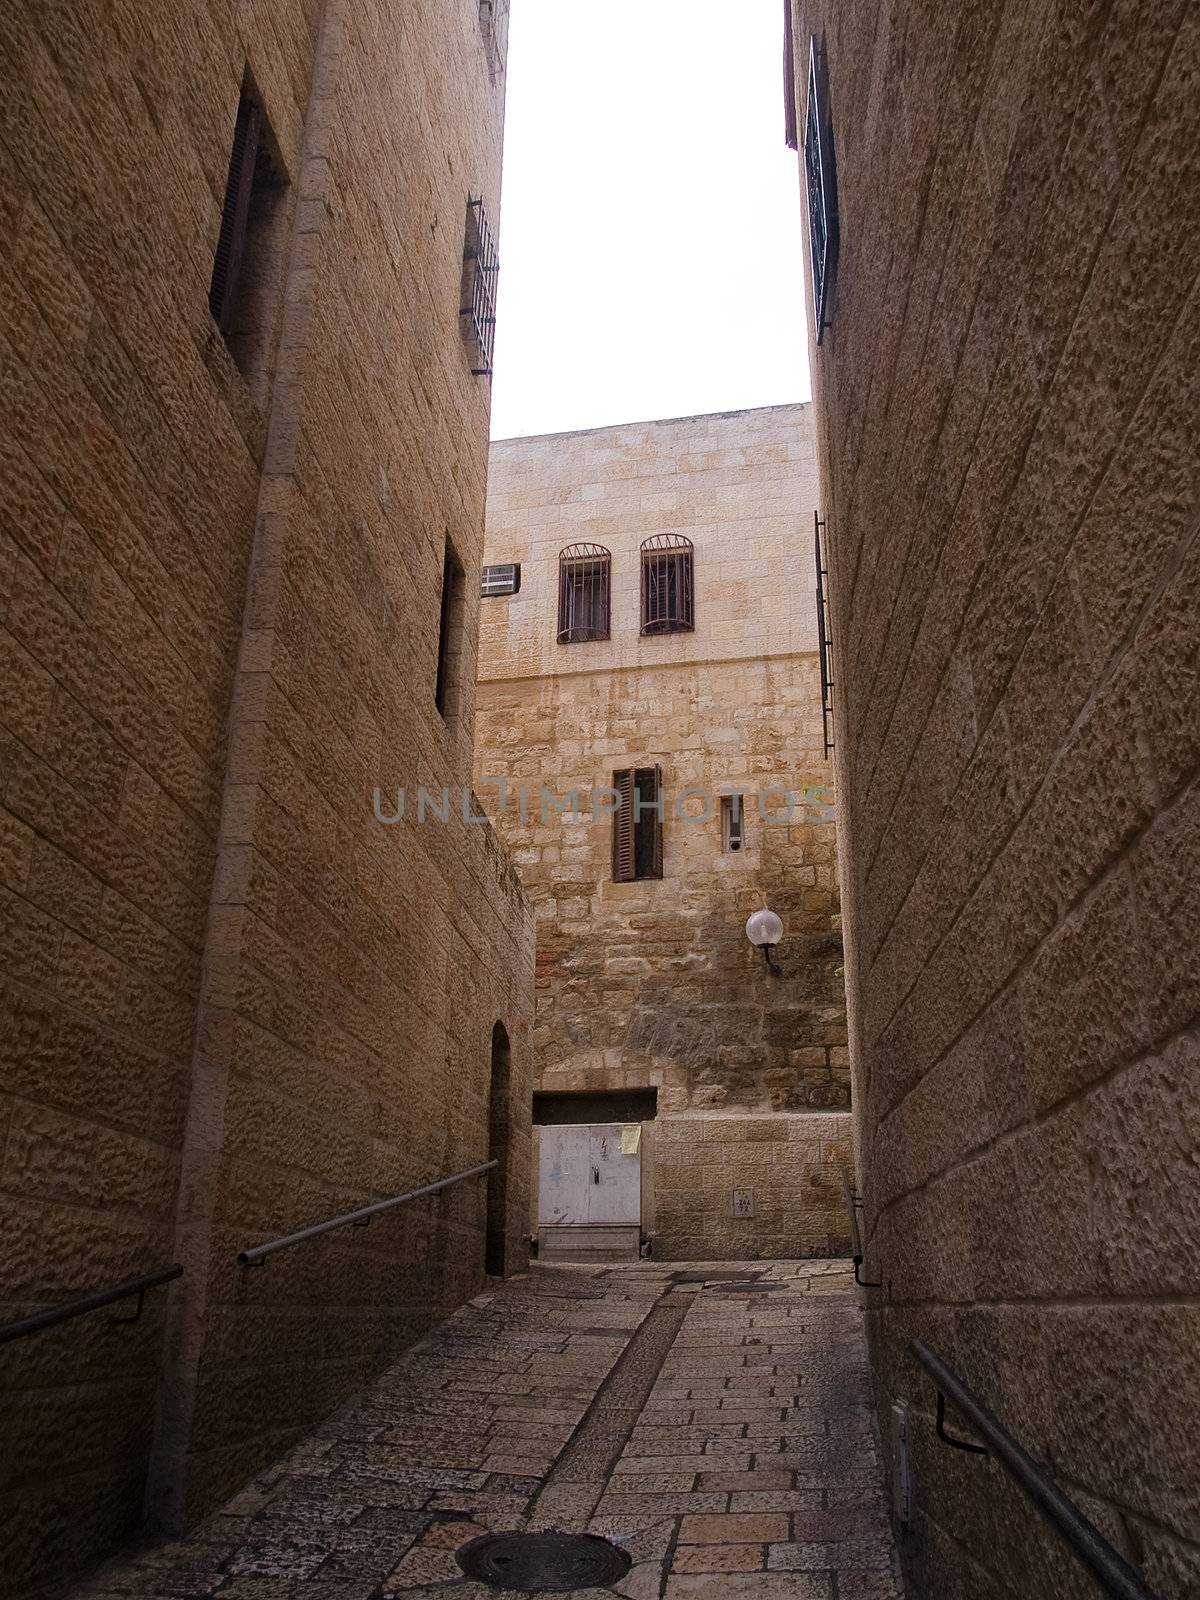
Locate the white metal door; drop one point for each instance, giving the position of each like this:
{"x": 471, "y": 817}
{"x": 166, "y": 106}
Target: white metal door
{"x": 564, "y": 1173}
{"x": 586, "y": 1176}
{"x": 615, "y": 1189}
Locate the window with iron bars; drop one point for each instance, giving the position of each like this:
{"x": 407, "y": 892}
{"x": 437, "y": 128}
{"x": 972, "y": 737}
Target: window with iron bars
{"x": 584, "y": 600}
{"x": 667, "y": 584}
{"x": 481, "y": 270}
{"x": 504, "y": 578}
{"x": 820, "y": 182}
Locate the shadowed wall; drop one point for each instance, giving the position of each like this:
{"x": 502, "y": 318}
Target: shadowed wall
{"x": 1008, "y": 419}
{"x": 234, "y": 1003}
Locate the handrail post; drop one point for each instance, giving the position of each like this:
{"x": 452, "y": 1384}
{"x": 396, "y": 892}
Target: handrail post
{"x": 856, "y": 1250}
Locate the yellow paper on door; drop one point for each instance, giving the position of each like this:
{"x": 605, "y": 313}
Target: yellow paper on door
{"x": 631, "y": 1139}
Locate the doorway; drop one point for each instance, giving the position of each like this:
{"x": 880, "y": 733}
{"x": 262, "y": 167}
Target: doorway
{"x": 590, "y": 1191}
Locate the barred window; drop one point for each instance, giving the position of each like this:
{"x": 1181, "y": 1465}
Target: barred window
{"x": 667, "y": 601}
{"x": 638, "y": 824}
{"x": 505, "y": 578}
{"x": 477, "y": 307}
{"x": 820, "y": 182}
{"x": 584, "y": 604}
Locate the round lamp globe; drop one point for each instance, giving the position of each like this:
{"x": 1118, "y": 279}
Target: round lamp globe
{"x": 764, "y": 927}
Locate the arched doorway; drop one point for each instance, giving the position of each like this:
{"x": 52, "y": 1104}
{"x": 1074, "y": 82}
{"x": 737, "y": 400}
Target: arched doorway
{"x": 499, "y": 1139}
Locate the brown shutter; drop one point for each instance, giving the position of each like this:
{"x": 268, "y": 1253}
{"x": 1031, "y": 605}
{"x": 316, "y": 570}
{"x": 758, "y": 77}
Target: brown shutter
{"x": 687, "y": 601}
{"x": 624, "y": 860}
{"x": 227, "y": 263}
{"x": 653, "y": 820}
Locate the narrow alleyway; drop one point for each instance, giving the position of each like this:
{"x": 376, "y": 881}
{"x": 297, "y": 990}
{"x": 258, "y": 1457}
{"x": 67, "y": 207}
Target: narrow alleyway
{"x": 712, "y": 1423}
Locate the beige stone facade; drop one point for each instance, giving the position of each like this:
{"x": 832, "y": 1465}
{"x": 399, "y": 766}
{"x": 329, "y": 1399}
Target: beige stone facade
{"x": 233, "y": 1002}
{"x": 651, "y": 984}
{"x": 1009, "y": 416}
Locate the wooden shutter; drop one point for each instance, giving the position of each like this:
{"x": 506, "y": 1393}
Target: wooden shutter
{"x": 652, "y": 820}
{"x": 624, "y": 863}
{"x": 687, "y": 593}
{"x": 235, "y": 213}
{"x": 666, "y": 561}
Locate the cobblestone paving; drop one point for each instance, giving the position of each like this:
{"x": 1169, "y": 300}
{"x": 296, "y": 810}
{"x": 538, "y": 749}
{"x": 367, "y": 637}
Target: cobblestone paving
{"x": 731, "y": 1452}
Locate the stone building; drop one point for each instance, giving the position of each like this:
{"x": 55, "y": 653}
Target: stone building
{"x": 243, "y": 451}
{"x": 1003, "y": 238}
{"x": 649, "y": 620}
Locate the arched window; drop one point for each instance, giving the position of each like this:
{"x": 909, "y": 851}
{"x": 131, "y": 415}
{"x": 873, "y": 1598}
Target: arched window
{"x": 499, "y": 1144}
{"x": 667, "y": 603}
{"x": 584, "y": 604}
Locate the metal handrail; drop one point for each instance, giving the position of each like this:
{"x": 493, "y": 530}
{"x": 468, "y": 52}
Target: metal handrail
{"x": 1106, "y": 1564}
{"x": 356, "y": 1219}
{"x": 856, "y": 1249}
{"x": 92, "y": 1302}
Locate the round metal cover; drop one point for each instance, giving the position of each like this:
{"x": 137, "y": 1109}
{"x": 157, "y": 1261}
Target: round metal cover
{"x": 531, "y": 1561}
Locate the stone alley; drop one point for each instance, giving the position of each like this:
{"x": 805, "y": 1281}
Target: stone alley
{"x": 599, "y": 858}
{"x": 710, "y": 1421}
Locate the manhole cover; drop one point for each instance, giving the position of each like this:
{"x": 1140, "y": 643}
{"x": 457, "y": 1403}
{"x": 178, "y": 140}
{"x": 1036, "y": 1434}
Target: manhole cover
{"x": 531, "y": 1561}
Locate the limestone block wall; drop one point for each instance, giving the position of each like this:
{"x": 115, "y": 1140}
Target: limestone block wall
{"x": 792, "y": 1165}
{"x": 652, "y": 983}
{"x": 233, "y": 1002}
{"x": 1008, "y": 423}
{"x": 741, "y": 483}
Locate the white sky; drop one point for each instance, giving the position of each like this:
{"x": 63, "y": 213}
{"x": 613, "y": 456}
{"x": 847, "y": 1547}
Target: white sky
{"x": 650, "y": 242}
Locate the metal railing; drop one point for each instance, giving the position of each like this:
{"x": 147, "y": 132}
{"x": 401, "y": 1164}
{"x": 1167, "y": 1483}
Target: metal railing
{"x": 853, "y": 1201}
{"x": 92, "y": 1302}
{"x": 824, "y": 642}
{"x": 355, "y": 1219}
{"x": 1106, "y": 1564}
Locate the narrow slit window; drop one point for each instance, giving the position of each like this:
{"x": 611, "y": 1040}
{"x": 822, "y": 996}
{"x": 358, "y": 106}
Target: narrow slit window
{"x": 733, "y": 823}
{"x": 638, "y": 824}
{"x": 584, "y": 604}
{"x": 667, "y": 584}
{"x": 493, "y": 24}
{"x": 244, "y": 293}
{"x": 450, "y": 635}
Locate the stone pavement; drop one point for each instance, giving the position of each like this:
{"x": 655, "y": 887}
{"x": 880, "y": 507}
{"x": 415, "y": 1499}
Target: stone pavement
{"x": 719, "y": 1432}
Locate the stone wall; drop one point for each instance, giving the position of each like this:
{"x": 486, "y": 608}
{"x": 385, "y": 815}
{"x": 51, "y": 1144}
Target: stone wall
{"x": 233, "y": 1002}
{"x": 1009, "y": 420}
{"x": 653, "y": 983}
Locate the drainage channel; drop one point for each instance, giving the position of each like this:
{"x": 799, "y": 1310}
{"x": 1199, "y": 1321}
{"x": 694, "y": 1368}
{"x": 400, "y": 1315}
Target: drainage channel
{"x": 544, "y": 1556}
{"x": 578, "y": 1478}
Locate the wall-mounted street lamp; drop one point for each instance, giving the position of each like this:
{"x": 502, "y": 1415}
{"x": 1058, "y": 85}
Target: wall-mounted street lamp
{"x": 764, "y": 929}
